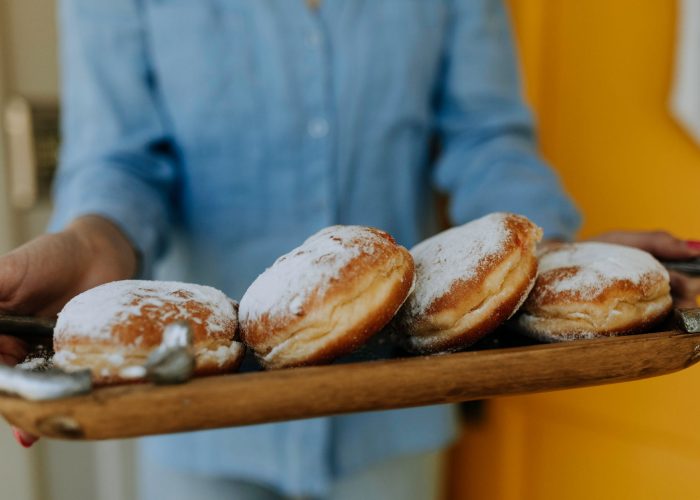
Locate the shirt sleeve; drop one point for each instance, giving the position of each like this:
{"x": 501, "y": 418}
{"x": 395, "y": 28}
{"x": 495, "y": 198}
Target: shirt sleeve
{"x": 489, "y": 160}
{"x": 116, "y": 158}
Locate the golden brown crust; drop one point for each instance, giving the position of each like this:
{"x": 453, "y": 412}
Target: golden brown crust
{"x": 100, "y": 360}
{"x": 439, "y": 340}
{"x": 129, "y": 324}
{"x": 476, "y": 304}
{"x": 342, "y": 311}
{"x": 588, "y": 290}
{"x": 146, "y": 327}
{"x": 375, "y": 316}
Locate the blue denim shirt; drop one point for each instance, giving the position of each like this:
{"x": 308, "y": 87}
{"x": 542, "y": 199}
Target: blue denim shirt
{"x": 219, "y": 134}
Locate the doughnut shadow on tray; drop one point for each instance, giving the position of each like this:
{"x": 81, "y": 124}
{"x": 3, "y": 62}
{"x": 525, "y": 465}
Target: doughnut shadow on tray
{"x": 113, "y": 328}
{"x": 505, "y": 336}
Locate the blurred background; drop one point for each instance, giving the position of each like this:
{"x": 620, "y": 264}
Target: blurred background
{"x": 600, "y": 76}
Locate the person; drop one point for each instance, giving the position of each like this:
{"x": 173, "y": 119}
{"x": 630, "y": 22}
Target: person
{"x": 201, "y": 140}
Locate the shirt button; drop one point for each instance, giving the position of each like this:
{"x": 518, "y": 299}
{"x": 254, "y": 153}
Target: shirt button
{"x": 318, "y": 128}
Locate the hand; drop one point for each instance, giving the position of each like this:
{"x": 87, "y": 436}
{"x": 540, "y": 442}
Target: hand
{"x": 664, "y": 246}
{"x": 38, "y": 278}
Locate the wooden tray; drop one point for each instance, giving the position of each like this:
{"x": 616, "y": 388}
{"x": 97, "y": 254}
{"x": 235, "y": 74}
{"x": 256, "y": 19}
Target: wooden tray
{"x": 251, "y": 398}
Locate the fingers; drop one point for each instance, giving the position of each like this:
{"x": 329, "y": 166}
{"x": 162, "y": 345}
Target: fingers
{"x": 667, "y": 246}
{"x": 24, "y": 438}
{"x": 12, "y": 350}
{"x": 13, "y": 271}
{"x": 685, "y": 289}
{"x": 661, "y": 244}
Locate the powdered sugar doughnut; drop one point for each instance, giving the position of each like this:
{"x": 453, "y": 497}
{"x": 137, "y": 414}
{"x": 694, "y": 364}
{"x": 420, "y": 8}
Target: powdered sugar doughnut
{"x": 326, "y": 297}
{"x": 587, "y": 290}
{"x": 111, "y": 329}
{"x": 469, "y": 280}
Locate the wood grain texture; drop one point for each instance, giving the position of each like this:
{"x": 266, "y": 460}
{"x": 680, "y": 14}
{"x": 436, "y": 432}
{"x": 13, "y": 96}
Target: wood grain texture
{"x": 242, "y": 399}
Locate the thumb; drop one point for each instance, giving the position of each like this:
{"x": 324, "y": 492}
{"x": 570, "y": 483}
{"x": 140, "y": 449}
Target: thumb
{"x": 666, "y": 246}
{"x": 13, "y": 269}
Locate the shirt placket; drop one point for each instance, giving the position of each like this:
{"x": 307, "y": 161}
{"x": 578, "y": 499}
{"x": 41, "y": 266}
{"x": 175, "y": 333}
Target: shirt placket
{"x": 307, "y": 441}
{"x": 319, "y": 130}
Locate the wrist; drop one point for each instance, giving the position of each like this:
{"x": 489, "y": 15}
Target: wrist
{"x": 106, "y": 247}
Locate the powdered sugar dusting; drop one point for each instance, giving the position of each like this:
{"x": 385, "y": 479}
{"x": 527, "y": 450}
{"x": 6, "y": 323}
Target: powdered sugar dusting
{"x": 133, "y": 372}
{"x": 33, "y": 364}
{"x": 94, "y": 312}
{"x": 221, "y": 355}
{"x": 455, "y": 254}
{"x": 595, "y": 266}
{"x": 284, "y": 288}
{"x": 64, "y": 358}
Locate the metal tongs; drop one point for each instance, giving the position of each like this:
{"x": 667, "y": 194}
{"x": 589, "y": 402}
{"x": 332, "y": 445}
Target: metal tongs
{"x": 45, "y": 385}
{"x": 688, "y": 319}
{"x": 42, "y": 385}
{"x": 691, "y": 267}
{"x": 32, "y": 329}
{"x": 172, "y": 362}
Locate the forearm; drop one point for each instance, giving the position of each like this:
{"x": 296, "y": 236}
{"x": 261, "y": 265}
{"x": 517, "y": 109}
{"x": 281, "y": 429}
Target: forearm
{"x": 106, "y": 247}
{"x": 489, "y": 159}
{"x": 504, "y": 175}
{"x": 116, "y": 156}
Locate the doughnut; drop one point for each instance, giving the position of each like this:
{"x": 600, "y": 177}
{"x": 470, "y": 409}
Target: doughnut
{"x": 326, "y": 297}
{"x": 469, "y": 280}
{"x": 112, "y": 329}
{"x": 589, "y": 290}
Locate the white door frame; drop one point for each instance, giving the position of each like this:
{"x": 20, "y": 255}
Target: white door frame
{"x": 7, "y": 229}
{"x": 18, "y": 468}
{"x": 48, "y": 470}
